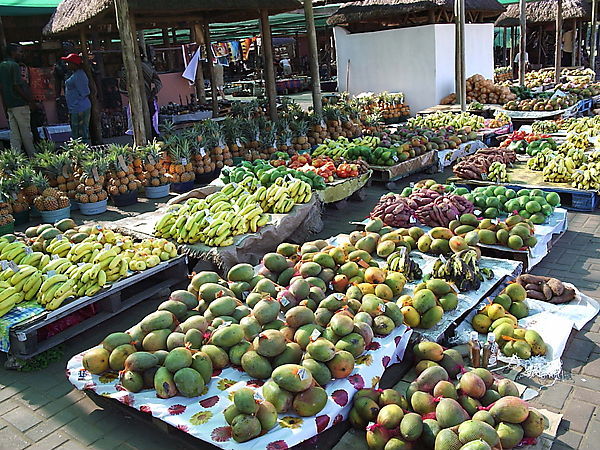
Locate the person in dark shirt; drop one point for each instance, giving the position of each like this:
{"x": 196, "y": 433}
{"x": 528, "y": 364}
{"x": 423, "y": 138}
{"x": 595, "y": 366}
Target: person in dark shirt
{"x": 17, "y": 100}
{"x": 77, "y": 93}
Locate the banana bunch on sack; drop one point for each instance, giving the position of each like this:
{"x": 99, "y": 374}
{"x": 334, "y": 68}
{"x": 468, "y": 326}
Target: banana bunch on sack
{"x": 55, "y": 289}
{"x": 24, "y": 279}
{"x": 540, "y": 160}
{"x": 497, "y": 172}
{"x": 84, "y": 252}
{"x": 462, "y": 269}
{"x": 400, "y": 261}
{"x": 13, "y": 251}
{"x": 559, "y": 170}
{"x": 587, "y": 177}
{"x": 36, "y": 259}
{"x": 59, "y": 246}
{"x": 9, "y": 297}
{"x": 112, "y": 263}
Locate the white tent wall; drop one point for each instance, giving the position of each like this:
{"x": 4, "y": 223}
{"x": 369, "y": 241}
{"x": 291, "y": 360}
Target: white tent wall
{"x": 418, "y": 61}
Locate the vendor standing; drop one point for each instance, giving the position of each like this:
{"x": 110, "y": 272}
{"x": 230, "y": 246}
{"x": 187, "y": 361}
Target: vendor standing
{"x": 17, "y": 100}
{"x": 77, "y": 94}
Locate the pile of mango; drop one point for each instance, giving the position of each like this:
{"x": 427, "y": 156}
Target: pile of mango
{"x": 439, "y": 412}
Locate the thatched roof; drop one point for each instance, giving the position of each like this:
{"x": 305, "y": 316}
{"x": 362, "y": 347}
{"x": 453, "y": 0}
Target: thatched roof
{"x": 545, "y": 11}
{"x": 382, "y": 10}
{"x": 71, "y": 14}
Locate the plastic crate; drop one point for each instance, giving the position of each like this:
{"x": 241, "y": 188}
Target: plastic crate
{"x": 584, "y": 202}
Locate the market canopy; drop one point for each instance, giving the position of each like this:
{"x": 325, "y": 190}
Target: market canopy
{"x": 542, "y": 11}
{"x": 27, "y": 7}
{"x": 71, "y": 14}
{"x": 383, "y": 11}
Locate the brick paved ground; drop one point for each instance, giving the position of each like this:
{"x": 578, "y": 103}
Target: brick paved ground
{"x": 40, "y": 410}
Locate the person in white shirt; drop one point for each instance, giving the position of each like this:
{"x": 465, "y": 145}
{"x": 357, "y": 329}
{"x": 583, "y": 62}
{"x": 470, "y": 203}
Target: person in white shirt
{"x": 287, "y": 66}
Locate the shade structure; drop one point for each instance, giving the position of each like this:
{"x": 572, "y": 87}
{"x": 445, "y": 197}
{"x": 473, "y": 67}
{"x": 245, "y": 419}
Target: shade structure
{"x": 382, "y": 10}
{"x": 544, "y": 11}
{"x": 27, "y": 7}
{"x": 71, "y": 14}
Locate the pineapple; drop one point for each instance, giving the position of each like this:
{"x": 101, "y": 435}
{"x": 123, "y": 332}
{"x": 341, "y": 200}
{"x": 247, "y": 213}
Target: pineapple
{"x": 28, "y": 181}
{"x": 6, "y": 192}
{"x": 16, "y": 198}
{"x": 11, "y": 160}
{"x": 121, "y": 177}
{"x": 90, "y": 190}
{"x": 50, "y": 199}
{"x": 180, "y": 167}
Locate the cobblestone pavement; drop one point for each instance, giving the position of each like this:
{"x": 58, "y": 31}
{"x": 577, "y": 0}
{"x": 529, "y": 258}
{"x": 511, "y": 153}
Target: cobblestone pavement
{"x": 40, "y": 410}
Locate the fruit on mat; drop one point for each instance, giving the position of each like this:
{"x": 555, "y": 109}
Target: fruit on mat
{"x": 546, "y": 289}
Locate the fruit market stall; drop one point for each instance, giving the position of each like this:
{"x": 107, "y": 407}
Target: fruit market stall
{"x": 230, "y": 238}
{"x": 59, "y": 281}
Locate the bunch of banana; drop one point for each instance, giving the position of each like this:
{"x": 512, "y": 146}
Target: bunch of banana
{"x": 36, "y": 259}
{"x": 544, "y": 126}
{"x": 9, "y": 297}
{"x": 59, "y": 246}
{"x": 497, "y": 172}
{"x": 84, "y": 252}
{"x": 541, "y": 160}
{"x": 587, "y": 176}
{"x": 14, "y": 251}
{"x": 559, "y": 170}
{"x": 55, "y": 289}
{"x": 462, "y": 269}
{"x": 140, "y": 260}
{"x": 57, "y": 266}
{"x": 577, "y": 155}
{"x": 575, "y": 141}
{"x": 300, "y": 192}
{"x": 367, "y": 141}
{"x": 277, "y": 199}
{"x": 26, "y": 280}
{"x": 400, "y": 261}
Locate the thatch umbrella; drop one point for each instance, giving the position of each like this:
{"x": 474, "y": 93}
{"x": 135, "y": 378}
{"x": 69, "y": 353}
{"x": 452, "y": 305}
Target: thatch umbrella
{"x": 389, "y": 11}
{"x": 544, "y": 11}
{"x": 73, "y": 15}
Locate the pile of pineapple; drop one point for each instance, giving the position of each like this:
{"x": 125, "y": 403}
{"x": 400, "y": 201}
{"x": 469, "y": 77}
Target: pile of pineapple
{"x": 152, "y": 170}
{"x": 121, "y": 177}
{"x": 50, "y": 199}
{"x": 6, "y": 210}
{"x": 178, "y": 159}
{"x": 91, "y": 177}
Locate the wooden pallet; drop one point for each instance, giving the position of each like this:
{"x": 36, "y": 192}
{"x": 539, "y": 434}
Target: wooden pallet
{"x": 24, "y": 342}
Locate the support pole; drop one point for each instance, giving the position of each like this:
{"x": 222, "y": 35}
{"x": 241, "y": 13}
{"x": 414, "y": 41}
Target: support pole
{"x": 558, "y": 41}
{"x": 461, "y": 79}
{"x": 199, "y": 39}
{"x": 211, "y": 71}
{"x": 267, "y": 46}
{"x": 504, "y": 46}
{"x": 511, "y": 54}
{"x": 523, "y": 41}
{"x": 313, "y": 57}
{"x": 134, "y": 81}
{"x": 95, "y": 123}
{"x": 2, "y": 37}
{"x": 138, "y": 63}
{"x": 540, "y": 33}
{"x": 575, "y": 29}
{"x": 594, "y": 35}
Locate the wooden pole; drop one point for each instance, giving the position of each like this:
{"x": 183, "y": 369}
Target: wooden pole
{"x": 594, "y": 35}
{"x": 523, "y": 42}
{"x": 504, "y": 46}
{"x": 511, "y": 54}
{"x": 461, "y": 78}
{"x": 267, "y": 45}
{"x": 558, "y": 41}
{"x": 134, "y": 81}
{"x": 138, "y": 63}
{"x": 313, "y": 57}
{"x": 575, "y": 37}
{"x": 199, "y": 39}
{"x": 211, "y": 71}
{"x": 95, "y": 123}
{"x": 540, "y": 33}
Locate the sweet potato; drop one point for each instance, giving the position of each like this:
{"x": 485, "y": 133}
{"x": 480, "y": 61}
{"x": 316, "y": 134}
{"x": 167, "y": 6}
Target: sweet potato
{"x": 547, "y": 291}
{"x": 528, "y": 278}
{"x": 532, "y": 287}
{"x": 567, "y": 295}
{"x": 536, "y": 295}
{"x": 556, "y": 285}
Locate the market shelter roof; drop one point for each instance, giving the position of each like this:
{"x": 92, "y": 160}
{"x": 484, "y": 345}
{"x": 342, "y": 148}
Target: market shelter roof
{"x": 387, "y": 11}
{"x": 71, "y": 14}
{"x": 545, "y": 11}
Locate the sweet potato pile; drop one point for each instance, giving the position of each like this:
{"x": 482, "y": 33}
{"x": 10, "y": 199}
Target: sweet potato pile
{"x": 393, "y": 209}
{"x": 472, "y": 167}
{"x": 547, "y": 289}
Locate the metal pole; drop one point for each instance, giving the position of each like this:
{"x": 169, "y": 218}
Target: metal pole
{"x": 594, "y": 35}
{"x": 134, "y": 81}
{"x": 558, "y": 41}
{"x": 523, "y": 43}
{"x": 461, "y": 79}
{"x": 267, "y": 46}
{"x": 313, "y": 56}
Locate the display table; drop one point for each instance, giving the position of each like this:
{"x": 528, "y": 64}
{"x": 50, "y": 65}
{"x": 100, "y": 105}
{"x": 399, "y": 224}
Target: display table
{"x": 301, "y": 222}
{"x": 190, "y": 117}
{"x": 389, "y": 174}
{"x": 449, "y": 156}
{"x": 341, "y": 189}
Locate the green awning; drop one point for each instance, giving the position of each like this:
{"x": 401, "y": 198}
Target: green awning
{"x": 27, "y": 7}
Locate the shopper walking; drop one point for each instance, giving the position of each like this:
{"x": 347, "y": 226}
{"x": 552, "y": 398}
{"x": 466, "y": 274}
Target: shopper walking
{"x": 77, "y": 94}
{"x": 17, "y": 100}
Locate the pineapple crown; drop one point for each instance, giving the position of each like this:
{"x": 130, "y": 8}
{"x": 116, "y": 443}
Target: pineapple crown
{"x": 300, "y": 127}
{"x": 46, "y": 146}
{"x": 167, "y": 128}
{"x": 116, "y": 151}
{"x": 11, "y": 160}
{"x": 25, "y": 175}
{"x": 180, "y": 149}
{"x": 40, "y": 181}
{"x": 153, "y": 150}
{"x": 101, "y": 164}
{"x": 6, "y": 190}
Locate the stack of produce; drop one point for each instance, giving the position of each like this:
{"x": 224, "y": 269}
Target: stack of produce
{"x": 393, "y": 209}
{"x": 547, "y": 289}
{"x": 121, "y": 178}
{"x": 50, "y": 199}
{"x": 502, "y": 74}
{"x": 91, "y": 178}
{"x": 494, "y": 201}
{"x": 483, "y": 91}
{"x": 541, "y": 104}
{"x": 178, "y": 160}
{"x": 479, "y": 411}
{"x": 429, "y": 302}
{"x": 441, "y": 210}
{"x": 462, "y": 269}
{"x": 544, "y": 126}
{"x": 391, "y": 106}
{"x": 476, "y": 167}
{"x": 520, "y": 141}
{"x": 57, "y": 167}
{"x": 587, "y": 175}
{"x": 497, "y": 173}
{"x": 13, "y": 194}
{"x": 6, "y": 209}
{"x": 500, "y": 119}
{"x": 248, "y": 417}
{"x": 266, "y": 174}
{"x": 154, "y": 172}
{"x": 439, "y": 120}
